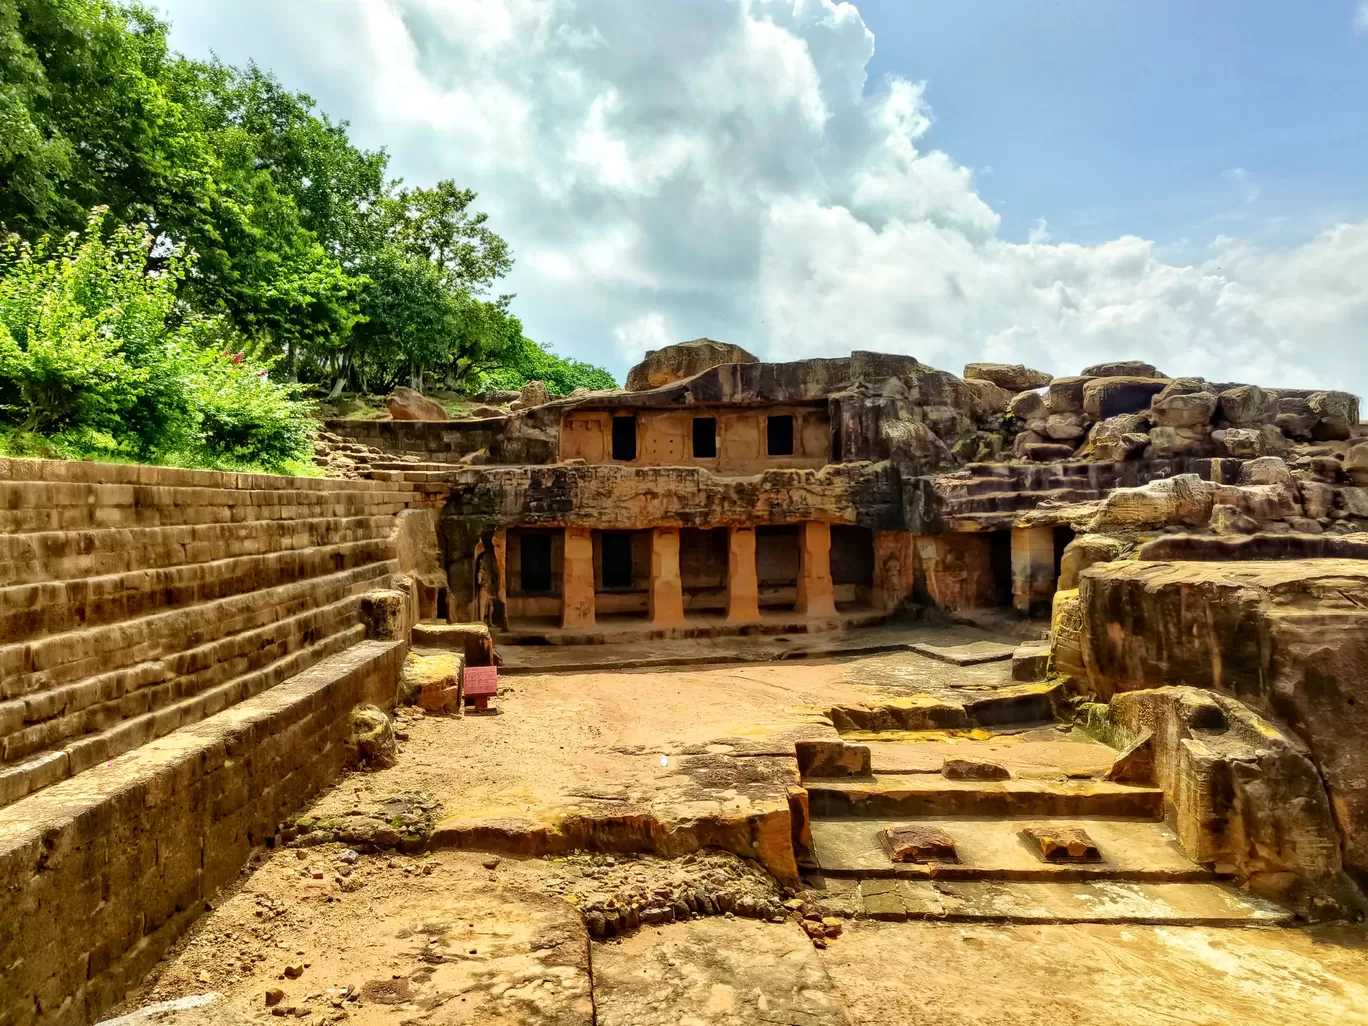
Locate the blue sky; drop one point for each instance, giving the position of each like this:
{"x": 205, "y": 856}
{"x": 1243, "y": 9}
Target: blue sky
{"x": 808, "y": 177}
{"x": 1107, "y": 117}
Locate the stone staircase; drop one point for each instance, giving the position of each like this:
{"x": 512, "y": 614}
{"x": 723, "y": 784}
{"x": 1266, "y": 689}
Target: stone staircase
{"x": 1055, "y": 781}
{"x": 138, "y": 600}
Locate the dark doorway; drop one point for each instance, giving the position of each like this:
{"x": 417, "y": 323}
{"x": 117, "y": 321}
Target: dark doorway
{"x": 852, "y": 555}
{"x": 1062, "y": 537}
{"x": 777, "y": 565}
{"x": 704, "y": 438}
{"x": 1000, "y": 562}
{"x": 535, "y": 564}
{"x": 616, "y": 547}
{"x": 779, "y": 435}
{"x": 624, "y": 438}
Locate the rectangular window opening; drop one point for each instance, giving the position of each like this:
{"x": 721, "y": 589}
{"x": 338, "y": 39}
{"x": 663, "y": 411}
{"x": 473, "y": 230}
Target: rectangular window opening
{"x": 616, "y": 549}
{"x": 624, "y": 438}
{"x": 780, "y": 435}
{"x": 535, "y": 563}
{"x": 704, "y": 438}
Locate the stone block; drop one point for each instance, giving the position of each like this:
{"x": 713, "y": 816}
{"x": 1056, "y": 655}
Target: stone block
{"x": 1028, "y": 406}
{"x": 988, "y": 398}
{"x": 1247, "y": 406}
{"x": 974, "y": 769}
{"x": 917, "y": 843}
{"x": 830, "y": 758}
{"x": 1013, "y": 377}
{"x": 1122, "y": 369}
{"x": 1061, "y": 844}
{"x": 1031, "y": 661}
{"x": 1065, "y": 395}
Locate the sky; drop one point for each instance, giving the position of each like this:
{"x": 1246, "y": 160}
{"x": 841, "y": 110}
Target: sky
{"x": 1054, "y": 182}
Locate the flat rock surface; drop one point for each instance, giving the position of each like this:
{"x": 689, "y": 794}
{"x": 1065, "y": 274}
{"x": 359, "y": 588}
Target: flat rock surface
{"x": 715, "y": 972}
{"x": 970, "y": 654}
{"x": 939, "y": 974}
{"x": 1046, "y": 753}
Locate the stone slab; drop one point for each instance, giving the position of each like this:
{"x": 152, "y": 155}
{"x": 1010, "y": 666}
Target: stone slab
{"x": 714, "y": 972}
{"x": 966, "y": 655}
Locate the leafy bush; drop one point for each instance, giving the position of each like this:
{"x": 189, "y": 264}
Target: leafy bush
{"x": 530, "y": 361}
{"x": 97, "y": 357}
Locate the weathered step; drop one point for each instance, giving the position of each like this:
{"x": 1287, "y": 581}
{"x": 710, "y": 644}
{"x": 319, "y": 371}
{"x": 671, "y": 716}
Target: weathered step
{"x": 957, "y": 710}
{"x": 1103, "y": 901}
{"x": 1042, "y": 752}
{"x": 916, "y": 795}
{"x": 992, "y": 849}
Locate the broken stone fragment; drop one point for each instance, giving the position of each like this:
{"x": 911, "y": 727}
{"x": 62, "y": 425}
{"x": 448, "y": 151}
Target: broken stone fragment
{"x": 274, "y": 996}
{"x": 914, "y": 842}
{"x": 1134, "y": 764}
{"x": 1031, "y": 661}
{"x": 1061, "y": 844}
{"x": 1227, "y": 519}
{"x": 974, "y": 769}
{"x": 826, "y": 758}
{"x": 372, "y": 735}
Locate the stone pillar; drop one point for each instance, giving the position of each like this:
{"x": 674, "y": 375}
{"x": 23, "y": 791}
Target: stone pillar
{"x": 743, "y": 585}
{"x": 1033, "y": 570}
{"x": 667, "y": 589}
{"x": 815, "y": 595}
{"x": 577, "y": 579}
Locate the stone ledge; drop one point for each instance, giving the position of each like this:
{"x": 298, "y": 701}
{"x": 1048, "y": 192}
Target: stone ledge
{"x": 100, "y": 873}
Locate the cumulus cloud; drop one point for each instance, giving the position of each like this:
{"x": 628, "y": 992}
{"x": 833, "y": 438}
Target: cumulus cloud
{"x": 668, "y": 170}
{"x": 1361, "y": 17}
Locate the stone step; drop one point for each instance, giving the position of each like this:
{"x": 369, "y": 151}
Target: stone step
{"x": 36, "y": 772}
{"x": 957, "y": 709}
{"x": 33, "y": 610}
{"x": 31, "y": 506}
{"x": 29, "y": 668}
{"x": 56, "y": 717}
{"x": 64, "y": 555}
{"x": 1042, "y": 902}
{"x": 992, "y": 849}
{"x": 1042, "y": 752}
{"x": 918, "y": 795}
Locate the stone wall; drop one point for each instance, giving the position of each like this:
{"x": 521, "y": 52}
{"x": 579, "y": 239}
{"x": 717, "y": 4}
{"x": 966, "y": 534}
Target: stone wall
{"x": 100, "y": 874}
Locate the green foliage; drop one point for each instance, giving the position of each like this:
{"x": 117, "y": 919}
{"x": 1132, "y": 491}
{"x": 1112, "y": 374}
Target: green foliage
{"x": 96, "y": 354}
{"x": 530, "y": 361}
{"x": 267, "y": 226}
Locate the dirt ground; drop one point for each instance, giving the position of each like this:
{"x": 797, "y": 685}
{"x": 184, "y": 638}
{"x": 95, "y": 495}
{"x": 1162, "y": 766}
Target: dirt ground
{"x": 449, "y": 937}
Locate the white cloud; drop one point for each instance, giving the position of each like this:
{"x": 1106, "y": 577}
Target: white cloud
{"x": 1361, "y": 17}
{"x": 681, "y": 168}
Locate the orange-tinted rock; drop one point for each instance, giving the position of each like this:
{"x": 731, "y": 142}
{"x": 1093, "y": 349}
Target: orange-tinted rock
{"x": 675, "y": 363}
{"x": 917, "y": 843}
{"x": 406, "y": 404}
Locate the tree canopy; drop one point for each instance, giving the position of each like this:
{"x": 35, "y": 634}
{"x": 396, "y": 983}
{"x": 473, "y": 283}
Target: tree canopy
{"x": 264, "y": 221}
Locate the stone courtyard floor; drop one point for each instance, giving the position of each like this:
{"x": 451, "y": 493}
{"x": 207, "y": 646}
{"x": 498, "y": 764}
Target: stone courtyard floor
{"x": 344, "y": 931}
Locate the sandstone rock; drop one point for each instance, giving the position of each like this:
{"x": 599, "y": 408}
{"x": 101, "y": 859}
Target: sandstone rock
{"x": 533, "y": 394}
{"x": 1061, "y": 843}
{"x": 498, "y": 397}
{"x": 1267, "y": 470}
{"x": 385, "y": 614}
{"x": 1295, "y": 417}
{"x": 1066, "y": 636}
{"x": 1084, "y": 551}
{"x": 1247, "y": 406}
{"x": 988, "y": 397}
{"x": 1134, "y": 764}
{"x": 1245, "y": 794}
{"x": 1194, "y": 409}
{"x": 974, "y": 769}
{"x": 1029, "y": 438}
{"x": 1185, "y": 499}
{"x": 1290, "y": 638}
{"x": 1317, "y": 499}
{"x": 675, "y": 363}
{"x": 1118, "y": 438}
{"x": 1173, "y": 441}
{"x": 483, "y": 412}
{"x": 1241, "y": 443}
{"x": 1064, "y": 427}
{"x": 1227, "y": 519}
{"x": 372, "y": 735}
{"x": 1356, "y": 464}
{"x": 1261, "y": 547}
{"x": 1048, "y": 452}
{"x": 1183, "y": 386}
{"x": 1304, "y": 525}
{"x": 1337, "y": 415}
{"x": 1031, "y": 661}
{"x": 1013, "y": 377}
{"x": 831, "y": 758}
{"x": 1027, "y": 406}
{"x": 1110, "y": 396}
{"x": 406, "y": 404}
{"x": 1122, "y": 369}
{"x": 917, "y": 843}
{"x": 1065, "y": 395}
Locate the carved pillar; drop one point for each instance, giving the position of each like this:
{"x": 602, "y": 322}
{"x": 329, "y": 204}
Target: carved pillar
{"x": 1033, "y": 570}
{"x": 815, "y": 595}
{"x": 743, "y": 585}
{"x": 667, "y": 589}
{"x": 577, "y": 579}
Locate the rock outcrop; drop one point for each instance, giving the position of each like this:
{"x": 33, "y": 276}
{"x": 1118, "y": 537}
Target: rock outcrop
{"x": 1289, "y": 639}
{"x": 1013, "y": 377}
{"x": 675, "y": 363}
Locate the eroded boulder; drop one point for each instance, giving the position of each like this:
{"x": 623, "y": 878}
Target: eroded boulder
{"x": 406, "y": 404}
{"x": 1013, "y": 377}
{"x": 1189, "y": 410}
{"x": 372, "y": 736}
{"x": 1184, "y": 499}
{"x": 675, "y": 363}
{"x": 1337, "y": 414}
{"x": 1122, "y": 369}
{"x": 988, "y": 397}
{"x": 1247, "y": 406}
